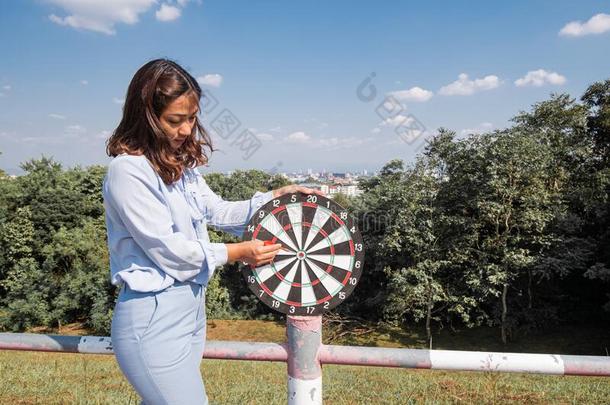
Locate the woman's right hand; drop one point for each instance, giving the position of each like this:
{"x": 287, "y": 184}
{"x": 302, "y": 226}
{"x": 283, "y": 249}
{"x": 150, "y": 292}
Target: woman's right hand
{"x": 252, "y": 252}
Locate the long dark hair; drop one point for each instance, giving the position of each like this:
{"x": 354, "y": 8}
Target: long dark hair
{"x": 152, "y": 88}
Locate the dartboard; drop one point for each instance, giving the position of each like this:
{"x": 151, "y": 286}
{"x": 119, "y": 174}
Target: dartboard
{"x": 321, "y": 258}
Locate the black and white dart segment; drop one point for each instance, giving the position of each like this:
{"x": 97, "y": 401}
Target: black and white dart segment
{"x": 321, "y": 258}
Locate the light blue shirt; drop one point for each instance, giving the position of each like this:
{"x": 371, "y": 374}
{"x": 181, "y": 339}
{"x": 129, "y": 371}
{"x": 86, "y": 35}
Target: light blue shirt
{"x": 157, "y": 233}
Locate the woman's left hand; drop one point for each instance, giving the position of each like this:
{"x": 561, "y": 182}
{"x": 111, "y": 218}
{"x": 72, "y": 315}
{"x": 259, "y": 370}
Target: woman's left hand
{"x": 294, "y": 188}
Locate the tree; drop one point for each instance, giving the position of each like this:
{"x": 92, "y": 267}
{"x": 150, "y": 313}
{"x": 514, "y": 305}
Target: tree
{"x": 597, "y": 99}
{"x": 373, "y": 209}
{"x": 343, "y": 200}
{"x": 2, "y": 172}
{"x": 77, "y": 267}
{"x": 24, "y": 297}
{"x": 516, "y": 209}
{"x": 415, "y": 267}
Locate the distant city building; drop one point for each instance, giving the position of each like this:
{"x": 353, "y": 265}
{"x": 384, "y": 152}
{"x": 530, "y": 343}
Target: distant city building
{"x": 330, "y": 183}
{"x": 333, "y": 189}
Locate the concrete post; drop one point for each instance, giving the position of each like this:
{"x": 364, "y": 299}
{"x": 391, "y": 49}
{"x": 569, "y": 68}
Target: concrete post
{"x": 304, "y": 335}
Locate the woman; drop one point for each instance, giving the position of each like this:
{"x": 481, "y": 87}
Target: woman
{"x": 157, "y": 210}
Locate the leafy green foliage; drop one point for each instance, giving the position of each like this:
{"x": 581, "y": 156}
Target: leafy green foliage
{"x": 509, "y": 228}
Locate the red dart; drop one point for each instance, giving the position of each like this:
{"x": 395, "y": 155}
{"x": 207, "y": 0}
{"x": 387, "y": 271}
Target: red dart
{"x": 268, "y": 242}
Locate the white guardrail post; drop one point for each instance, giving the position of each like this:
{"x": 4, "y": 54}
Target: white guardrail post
{"x": 304, "y": 335}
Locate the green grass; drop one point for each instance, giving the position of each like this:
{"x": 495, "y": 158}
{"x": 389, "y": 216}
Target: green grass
{"x": 56, "y": 378}
{"x": 593, "y": 340}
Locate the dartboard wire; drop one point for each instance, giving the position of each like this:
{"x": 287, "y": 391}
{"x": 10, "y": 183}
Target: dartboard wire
{"x": 323, "y": 272}
{"x": 322, "y": 276}
{"x": 278, "y": 231}
{"x": 288, "y": 228}
{"x": 325, "y": 295}
{"x": 337, "y": 261}
{"x": 329, "y": 245}
{"x": 333, "y": 269}
{"x": 331, "y": 262}
{"x": 271, "y": 269}
{"x": 285, "y": 250}
{"x": 336, "y": 218}
{"x": 339, "y": 235}
{"x": 297, "y": 229}
{"x": 284, "y": 285}
{"x": 344, "y": 263}
{"x": 350, "y": 244}
{"x": 307, "y": 291}
{"x": 319, "y": 219}
{"x": 317, "y": 231}
{"x": 330, "y": 266}
{"x": 321, "y": 216}
{"x": 295, "y": 213}
{"x": 270, "y": 294}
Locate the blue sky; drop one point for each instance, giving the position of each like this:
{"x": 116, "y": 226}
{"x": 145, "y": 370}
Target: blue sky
{"x": 289, "y": 72}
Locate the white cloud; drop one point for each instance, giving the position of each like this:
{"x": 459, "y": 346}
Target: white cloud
{"x": 84, "y": 82}
{"x": 479, "y": 129}
{"x": 598, "y": 24}
{"x": 413, "y": 94}
{"x": 319, "y": 124}
{"x": 395, "y": 121}
{"x": 168, "y": 13}
{"x": 6, "y": 87}
{"x": 212, "y": 80}
{"x": 539, "y": 78}
{"x": 41, "y": 140}
{"x": 117, "y": 100}
{"x": 463, "y": 86}
{"x": 376, "y": 130}
{"x": 57, "y": 116}
{"x": 298, "y": 137}
{"x": 4, "y": 134}
{"x": 326, "y": 143}
{"x": 99, "y": 15}
{"x": 75, "y": 129}
{"x": 336, "y": 142}
{"x": 104, "y": 134}
{"x": 264, "y": 137}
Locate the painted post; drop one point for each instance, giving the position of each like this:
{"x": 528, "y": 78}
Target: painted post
{"x": 304, "y": 335}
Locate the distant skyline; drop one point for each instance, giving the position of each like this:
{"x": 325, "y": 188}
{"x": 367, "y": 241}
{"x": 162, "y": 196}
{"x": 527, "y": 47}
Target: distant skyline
{"x": 307, "y": 79}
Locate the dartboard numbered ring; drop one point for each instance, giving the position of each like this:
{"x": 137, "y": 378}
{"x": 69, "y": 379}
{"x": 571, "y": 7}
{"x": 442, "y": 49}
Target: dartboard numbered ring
{"x": 321, "y": 259}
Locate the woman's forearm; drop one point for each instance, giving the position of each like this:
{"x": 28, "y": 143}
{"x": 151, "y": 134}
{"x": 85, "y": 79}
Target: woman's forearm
{"x": 235, "y": 251}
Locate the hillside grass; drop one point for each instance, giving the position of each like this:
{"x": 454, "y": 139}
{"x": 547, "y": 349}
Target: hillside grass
{"x": 56, "y": 378}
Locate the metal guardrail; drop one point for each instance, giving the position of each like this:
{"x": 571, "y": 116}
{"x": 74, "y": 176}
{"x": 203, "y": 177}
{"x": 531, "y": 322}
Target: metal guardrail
{"x": 304, "y": 353}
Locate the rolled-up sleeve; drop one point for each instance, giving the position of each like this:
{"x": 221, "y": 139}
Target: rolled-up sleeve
{"x": 133, "y": 196}
{"x": 230, "y": 216}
